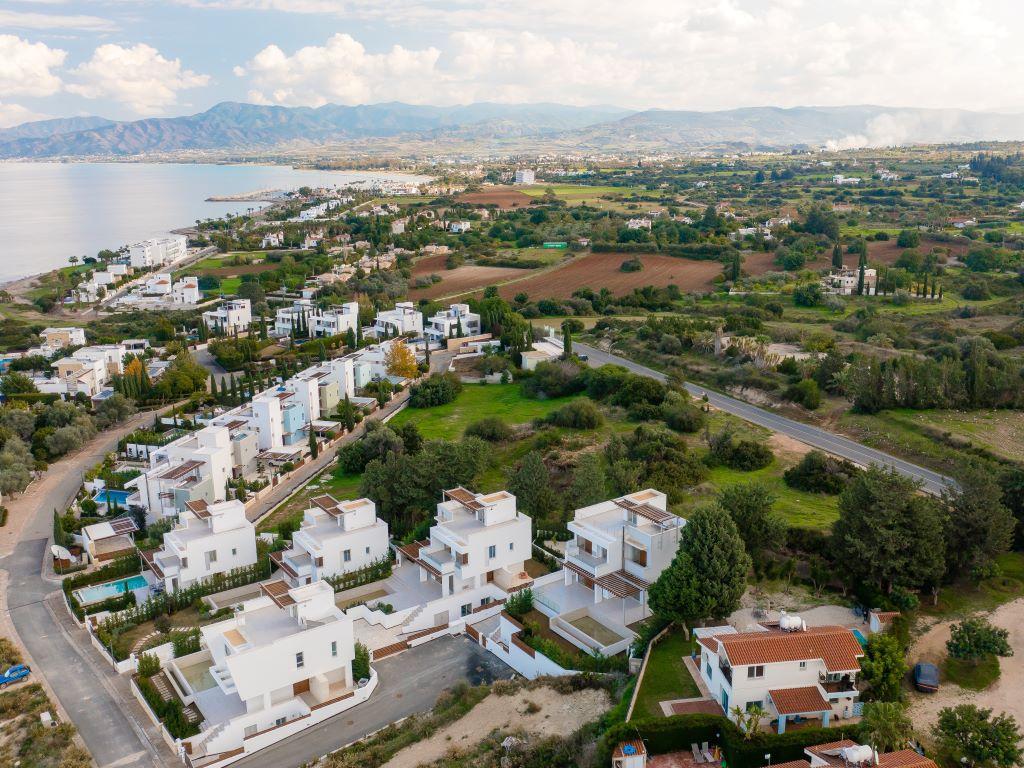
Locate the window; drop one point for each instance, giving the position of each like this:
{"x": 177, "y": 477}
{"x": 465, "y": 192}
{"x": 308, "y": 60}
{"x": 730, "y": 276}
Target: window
{"x": 367, "y": 550}
{"x": 492, "y": 551}
{"x": 280, "y": 721}
{"x": 708, "y": 667}
{"x": 803, "y": 665}
{"x": 347, "y": 555}
{"x": 753, "y": 672}
{"x": 211, "y": 557}
{"x": 334, "y": 647}
{"x": 234, "y": 551}
{"x": 184, "y": 562}
{"x": 300, "y": 662}
{"x": 511, "y": 546}
{"x": 752, "y": 704}
{"x": 467, "y": 609}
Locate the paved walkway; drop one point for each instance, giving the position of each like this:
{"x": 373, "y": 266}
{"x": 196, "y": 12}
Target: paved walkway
{"x": 931, "y": 482}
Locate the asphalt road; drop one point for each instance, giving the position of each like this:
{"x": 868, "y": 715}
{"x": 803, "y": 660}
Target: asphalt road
{"x": 83, "y": 685}
{"x": 931, "y": 482}
{"x": 409, "y": 683}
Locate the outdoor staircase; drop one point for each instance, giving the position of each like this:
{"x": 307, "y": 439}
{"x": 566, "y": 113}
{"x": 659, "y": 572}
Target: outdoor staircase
{"x": 414, "y": 615}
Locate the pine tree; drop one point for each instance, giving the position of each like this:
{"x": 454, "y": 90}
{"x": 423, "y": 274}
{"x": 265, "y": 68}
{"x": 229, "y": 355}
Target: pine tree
{"x": 709, "y": 573}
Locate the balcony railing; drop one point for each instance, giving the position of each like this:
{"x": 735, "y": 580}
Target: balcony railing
{"x": 440, "y": 558}
{"x": 726, "y": 672}
{"x": 587, "y": 559}
{"x": 846, "y": 685}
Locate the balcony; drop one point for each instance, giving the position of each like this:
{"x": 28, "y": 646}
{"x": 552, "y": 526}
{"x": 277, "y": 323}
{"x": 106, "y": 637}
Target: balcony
{"x": 841, "y": 688}
{"x": 726, "y": 672}
{"x": 441, "y": 559}
{"x": 585, "y": 559}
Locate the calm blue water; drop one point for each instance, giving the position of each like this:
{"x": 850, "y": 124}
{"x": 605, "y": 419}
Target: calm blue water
{"x": 860, "y": 637}
{"x": 105, "y": 496}
{"x": 98, "y": 592}
{"x": 51, "y": 211}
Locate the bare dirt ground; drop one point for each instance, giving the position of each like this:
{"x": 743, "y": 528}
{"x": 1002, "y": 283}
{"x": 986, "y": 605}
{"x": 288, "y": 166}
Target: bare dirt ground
{"x": 555, "y": 715}
{"x": 787, "y": 445}
{"x": 465, "y": 279}
{"x": 1001, "y": 696}
{"x": 503, "y": 197}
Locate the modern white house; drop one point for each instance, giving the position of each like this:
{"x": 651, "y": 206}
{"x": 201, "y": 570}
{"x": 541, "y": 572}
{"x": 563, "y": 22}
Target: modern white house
{"x": 640, "y": 223}
{"x": 208, "y": 539}
{"x": 272, "y": 240}
{"x": 320, "y": 322}
{"x": 86, "y": 371}
{"x": 525, "y": 176}
{"x": 404, "y": 318}
{"x": 157, "y": 251}
{"x": 186, "y": 291}
{"x": 335, "y": 537}
{"x": 233, "y": 316}
{"x": 458, "y": 227}
{"x": 457, "y": 320}
{"x": 281, "y": 664}
{"x": 55, "y": 339}
{"x": 109, "y": 540}
{"x": 477, "y": 539}
{"x": 789, "y": 670}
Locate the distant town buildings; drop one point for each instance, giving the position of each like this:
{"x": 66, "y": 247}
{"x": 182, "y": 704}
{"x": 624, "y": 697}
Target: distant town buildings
{"x": 157, "y": 251}
{"x": 525, "y": 176}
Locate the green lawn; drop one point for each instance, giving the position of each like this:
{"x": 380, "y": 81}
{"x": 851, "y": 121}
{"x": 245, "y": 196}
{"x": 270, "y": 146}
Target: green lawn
{"x": 975, "y": 676}
{"x": 547, "y": 255}
{"x": 579, "y": 191}
{"x": 967, "y": 598}
{"x": 337, "y": 484}
{"x": 666, "y": 676}
{"x": 476, "y": 402}
{"x": 228, "y": 286}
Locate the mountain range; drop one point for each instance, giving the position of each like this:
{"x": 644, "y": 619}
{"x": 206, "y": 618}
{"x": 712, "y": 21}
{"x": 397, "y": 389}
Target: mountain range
{"x": 483, "y": 127}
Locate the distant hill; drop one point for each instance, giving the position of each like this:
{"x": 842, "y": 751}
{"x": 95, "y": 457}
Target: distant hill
{"x": 41, "y": 129}
{"x": 232, "y": 125}
{"x": 486, "y": 127}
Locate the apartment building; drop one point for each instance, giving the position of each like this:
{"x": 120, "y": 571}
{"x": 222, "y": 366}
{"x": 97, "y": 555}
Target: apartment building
{"x": 404, "y": 318}
{"x": 157, "y": 251}
{"x": 457, "y": 320}
{"x": 478, "y": 539}
{"x": 788, "y": 669}
{"x": 231, "y": 317}
{"x": 208, "y": 539}
{"x": 335, "y": 537}
{"x": 284, "y": 658}
{"x": 86, "y": 371}
{"x": 525, "y": 176}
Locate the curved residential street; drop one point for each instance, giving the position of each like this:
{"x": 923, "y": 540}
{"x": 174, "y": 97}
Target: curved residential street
{"x": 931, "y": 482}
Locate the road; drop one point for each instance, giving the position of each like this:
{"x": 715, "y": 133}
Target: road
{"x": 931, "y": 482}
{"x": 409, "y": 683}
{"x": 85, "y": 688}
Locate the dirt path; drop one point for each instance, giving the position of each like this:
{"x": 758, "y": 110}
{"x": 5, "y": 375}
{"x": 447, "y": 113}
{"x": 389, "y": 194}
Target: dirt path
{"x": 540, "y": 712}
{"x": 1002, "y": 696}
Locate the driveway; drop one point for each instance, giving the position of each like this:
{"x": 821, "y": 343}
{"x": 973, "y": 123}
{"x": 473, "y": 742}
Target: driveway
{"x": 931, "y": 482}
{"x": 409, "y": 683}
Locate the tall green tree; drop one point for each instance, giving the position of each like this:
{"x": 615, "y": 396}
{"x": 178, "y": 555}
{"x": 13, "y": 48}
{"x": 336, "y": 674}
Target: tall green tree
{"x": 883, "y": 667}
{"x": 588, "y": 482}
{"x": 888, "y": 535}
{"x": 531, "y": 484}
{"x": 837, "y": 256}
{"x": 886, "y": 725}
{"x": 314, "y": 446}
{"x": 980, "y": 527}
{"x": 708, "y": 575}
{"x": 750, "y": 507}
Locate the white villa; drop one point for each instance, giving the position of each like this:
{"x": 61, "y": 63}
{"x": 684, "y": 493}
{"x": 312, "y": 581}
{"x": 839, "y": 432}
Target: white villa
{"x": 525, "y": 176}
{"x": 843, "y": 282}
{"x": 404, "y": 318}
{"x": 87, "y": 371}
{"x": 230, "y": 317}
{"x": 56, "y": 339}
{"x": 478, "y": 539}
{"x": 279, "y": 665}
{"x": 335, "y": 537}
{"x": 208, "y": 539}
{"x": 789, "y": 670}
{"x": 457, "y": 320}
{"x": 321, "y": 322}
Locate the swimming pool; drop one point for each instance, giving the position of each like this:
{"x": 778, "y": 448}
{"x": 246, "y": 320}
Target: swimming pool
{"x": 860, "y": 637}
{"x": 98, "y": 592}
{"x": 108, "y": 495}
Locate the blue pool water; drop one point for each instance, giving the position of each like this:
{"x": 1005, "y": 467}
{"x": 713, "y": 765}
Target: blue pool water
{"x": 107, "y": 495}
{"x": 860, "y": 637}
{"x": 98, "y": 592}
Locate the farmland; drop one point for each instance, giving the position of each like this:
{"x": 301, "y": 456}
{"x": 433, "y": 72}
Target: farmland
{"x": 601, "y": 270}
{"x": 503, "y": 197}
{"x": 465, "y": 279}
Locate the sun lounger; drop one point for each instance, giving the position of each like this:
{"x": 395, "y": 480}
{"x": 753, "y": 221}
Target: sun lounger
{"x": 697, "y": 756}
{"x": 708, "y": 757}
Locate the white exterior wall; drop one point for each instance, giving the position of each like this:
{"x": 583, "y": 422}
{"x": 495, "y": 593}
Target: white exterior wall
{"x": 231, "y": 316}
{"x": 404, "y": 318}
{"x": 226, "y": 532}
{"x": 266, "y": 420}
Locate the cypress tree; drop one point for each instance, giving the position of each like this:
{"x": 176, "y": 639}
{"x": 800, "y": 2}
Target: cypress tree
{"x": 837, "y": 256}
{"x": 350, "y": 419}
{"x": 213, "y": 388}
{"x": 314, "y": 448}
{"x": 860, "y": 274}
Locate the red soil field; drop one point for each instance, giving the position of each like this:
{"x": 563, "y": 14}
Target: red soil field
{"x": 465, "y": 279}
{"x": 601, "y": 270}
{"x": 503, "y": 197}
{"x": 887, "y": 252}
{"x": 429, "y": 265}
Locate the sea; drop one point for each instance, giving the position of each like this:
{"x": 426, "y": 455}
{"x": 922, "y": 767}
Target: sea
{"x": 50, "y": 212}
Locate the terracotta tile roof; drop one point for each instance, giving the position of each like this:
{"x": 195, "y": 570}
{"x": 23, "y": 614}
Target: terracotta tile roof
{"x": 885, "y": 616}
{"x": 798, "y": 701}
{"x": 821, "y": 751}
{"x": 905, "y": 758}
{"x": 836, "y": 646}
{"x": 793, "y": 764}
{"x": 637, "y": 746}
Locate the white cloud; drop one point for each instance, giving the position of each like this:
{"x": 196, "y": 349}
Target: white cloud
{"x": 675, "y": 54}
{"x": 15, "y": 114}
{"x": 32, "y": 20}
{"x": 138, "y": 76}
{"x": 341, "y": 70}
{"x": 27, "y": 69}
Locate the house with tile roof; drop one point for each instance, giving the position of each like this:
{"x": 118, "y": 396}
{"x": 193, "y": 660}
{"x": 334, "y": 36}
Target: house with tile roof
{"x": 850, "y": 754}
{"x": 803, "y": 672}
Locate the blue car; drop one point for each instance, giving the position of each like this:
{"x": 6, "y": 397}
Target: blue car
{"x": 14, "y": 674}
{"x": 926, "y": 677}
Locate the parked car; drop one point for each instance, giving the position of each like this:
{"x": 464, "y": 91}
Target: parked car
{"x": 926, "y": 677}
{"x": 14, "y": 674}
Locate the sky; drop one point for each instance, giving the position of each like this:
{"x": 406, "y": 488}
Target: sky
{"x": 126, "y": 59}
